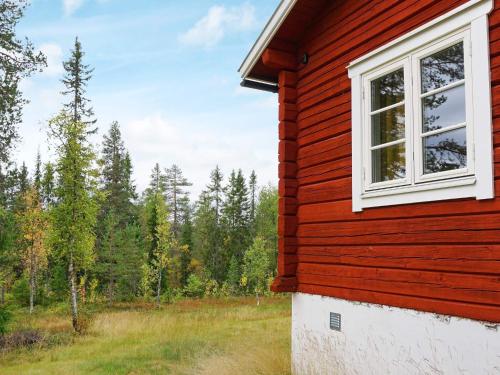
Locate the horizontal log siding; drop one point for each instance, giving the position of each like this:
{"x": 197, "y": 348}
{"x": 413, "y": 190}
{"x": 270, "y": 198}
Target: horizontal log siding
{"x": 440, "y": 256}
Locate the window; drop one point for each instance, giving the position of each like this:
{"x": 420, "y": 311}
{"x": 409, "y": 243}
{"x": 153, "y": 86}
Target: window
{"x": 421, "y": 108}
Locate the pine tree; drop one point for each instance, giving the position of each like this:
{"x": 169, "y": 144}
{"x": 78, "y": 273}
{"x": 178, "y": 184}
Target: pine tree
{"x": 74, "y": 216}
{"x": 164, "y": 244}
{"x": 158, "y": 183}
{"x": 175, "y": 192}
{"x": 17, "y": 61}
{"x": 157, "y": 188}
{"x": 76, "y": 79}
{"x": 185, "y": 240}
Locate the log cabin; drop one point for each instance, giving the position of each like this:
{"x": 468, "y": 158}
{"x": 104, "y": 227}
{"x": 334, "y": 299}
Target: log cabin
{"x": 389, "y": 182}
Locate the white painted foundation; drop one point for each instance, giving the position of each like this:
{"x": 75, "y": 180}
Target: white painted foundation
{"x": 385, "y": 340}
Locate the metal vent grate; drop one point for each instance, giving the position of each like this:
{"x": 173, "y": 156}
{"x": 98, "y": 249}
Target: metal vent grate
{"x": 335, "y": 321}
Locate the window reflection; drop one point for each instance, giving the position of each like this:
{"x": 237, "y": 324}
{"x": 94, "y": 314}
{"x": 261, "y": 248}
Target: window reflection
{"x": 388, "y": 90}
{"x": 443, "y": 68}
{"x": 445, "y": 151}
{"x": 444, "y": 109}
{"x": 388, "y": 126}
{"x": 389, "y": 163}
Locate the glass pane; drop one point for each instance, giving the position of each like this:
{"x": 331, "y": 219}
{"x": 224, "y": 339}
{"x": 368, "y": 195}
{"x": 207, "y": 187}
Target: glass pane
{"x": 388, "y": 89}
{"x": 388, "y": 126}
{"x": 444, "y": 109}
{"x": 445, "y": 151}
{"x": 389, "y": 163}
{"x": 442, "y": 68}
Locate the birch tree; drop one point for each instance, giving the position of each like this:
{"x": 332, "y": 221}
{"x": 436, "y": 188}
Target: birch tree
{"x": 74, "y": 216}
{"x": 34, "y": 227}
{"x": 164, "y": 244}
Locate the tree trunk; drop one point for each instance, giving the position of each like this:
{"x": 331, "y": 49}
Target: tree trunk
{"x": 158, "y": 289}
{"x": 32, "y": 281}
{"x": 258, "y": 299}
{"x": 73, "y": 289}
{"x": 32, "y": 291}
{"x": 110, "y": 293}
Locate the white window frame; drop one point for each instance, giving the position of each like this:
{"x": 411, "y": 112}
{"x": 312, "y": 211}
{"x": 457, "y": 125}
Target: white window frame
{"x": 469, "y": 23}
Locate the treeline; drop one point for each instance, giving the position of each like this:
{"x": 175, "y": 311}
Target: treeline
{"x": 77, "y": 230}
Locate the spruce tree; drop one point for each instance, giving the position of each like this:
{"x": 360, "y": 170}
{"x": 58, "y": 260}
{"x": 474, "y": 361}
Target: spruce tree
{"x": 75, "y": 80}
{"x": 175, "y": 192}
{"x": 37, "y": 180}
{"x": 116, "y": 212}
{"x": 252, "y": 185}
{"x": 216, "y": 190}
{"x": 48, "y": 185}
{"x": 236, "y": 216}
{"x": 17, "y": 61}
{"x": 266, "y": 221}
{"x": 208, "y": 240}
{"x": 116, "y": 176}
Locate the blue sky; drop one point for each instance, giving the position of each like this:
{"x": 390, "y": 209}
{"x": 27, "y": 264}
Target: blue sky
{"x": 167, "y": 71}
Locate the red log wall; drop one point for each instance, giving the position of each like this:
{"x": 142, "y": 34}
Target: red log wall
{"x": 441, "y": 257}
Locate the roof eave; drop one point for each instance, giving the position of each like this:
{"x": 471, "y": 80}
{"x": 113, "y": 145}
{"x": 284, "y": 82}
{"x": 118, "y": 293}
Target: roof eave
{"x": 266, "y": 36}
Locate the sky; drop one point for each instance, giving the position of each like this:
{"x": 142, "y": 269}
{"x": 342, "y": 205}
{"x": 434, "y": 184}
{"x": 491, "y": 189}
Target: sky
{"x": 166, "y": 70}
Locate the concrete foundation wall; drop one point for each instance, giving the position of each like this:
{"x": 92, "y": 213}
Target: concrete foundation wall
{"x": 384, "y": 340}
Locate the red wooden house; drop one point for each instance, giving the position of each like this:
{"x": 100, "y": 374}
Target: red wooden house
{"x": 389, "y": 192}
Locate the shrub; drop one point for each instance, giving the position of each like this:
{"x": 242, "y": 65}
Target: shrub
{"x": 212, "y": 288}
{"x": 194, "y": 287}
{"x": 5, "y": 317}
{"x": 85, "y": 320}
{"x": 21, "y": 339}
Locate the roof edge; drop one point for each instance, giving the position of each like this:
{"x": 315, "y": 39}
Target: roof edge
{"x": 265, "y": 37}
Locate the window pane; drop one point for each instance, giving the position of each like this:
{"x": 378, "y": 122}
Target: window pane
{"x": 443, "y": 67}
{"x": 445, "y": 151}
{"x": 388, "y": 89}
{"x": 389, "y": 163}
{"x": 444, "y": 109}
{"x": 388, "y": 126}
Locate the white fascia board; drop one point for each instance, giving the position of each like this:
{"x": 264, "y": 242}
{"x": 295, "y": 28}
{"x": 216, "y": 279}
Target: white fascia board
{"x": 265, "y": 37}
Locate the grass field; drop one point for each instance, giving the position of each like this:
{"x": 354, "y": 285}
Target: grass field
{"x": 232, "y": 336}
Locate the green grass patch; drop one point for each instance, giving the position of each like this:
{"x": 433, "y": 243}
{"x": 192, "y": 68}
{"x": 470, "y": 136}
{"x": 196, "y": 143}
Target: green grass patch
{"x": 220, "y": 336}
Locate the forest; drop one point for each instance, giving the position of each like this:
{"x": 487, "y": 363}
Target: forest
{"x": 75, "y": 230}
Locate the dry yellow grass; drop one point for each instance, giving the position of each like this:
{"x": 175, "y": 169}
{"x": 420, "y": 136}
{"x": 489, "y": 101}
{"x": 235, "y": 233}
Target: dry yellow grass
{"x": 190, "y": 337}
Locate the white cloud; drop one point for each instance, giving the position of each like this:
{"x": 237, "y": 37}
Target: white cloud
{"x": 212, "y": 28}
{"x": 54, "y": 54}
{"x": 197, "y": 149}
{"x": 71, "y": 6}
